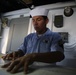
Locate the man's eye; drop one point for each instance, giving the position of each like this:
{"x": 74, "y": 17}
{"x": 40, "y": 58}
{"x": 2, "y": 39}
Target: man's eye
{"x": 39, "y": 19}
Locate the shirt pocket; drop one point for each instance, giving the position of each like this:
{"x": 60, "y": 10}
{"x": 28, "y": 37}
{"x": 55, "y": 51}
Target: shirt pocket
{"x": 45, "y": 45}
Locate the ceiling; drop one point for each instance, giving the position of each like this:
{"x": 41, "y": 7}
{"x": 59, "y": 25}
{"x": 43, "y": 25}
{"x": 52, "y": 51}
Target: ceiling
{"x": 11, "y": 5}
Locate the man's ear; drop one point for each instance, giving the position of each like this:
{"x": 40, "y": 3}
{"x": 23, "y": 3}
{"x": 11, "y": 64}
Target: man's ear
{"x": 47, "y": 20}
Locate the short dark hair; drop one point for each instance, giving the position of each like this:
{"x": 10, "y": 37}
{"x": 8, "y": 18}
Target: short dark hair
{"x": 45, "y": 17}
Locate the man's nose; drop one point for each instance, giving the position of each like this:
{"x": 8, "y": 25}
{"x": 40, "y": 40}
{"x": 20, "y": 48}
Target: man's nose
{"x": 35, "y": 23}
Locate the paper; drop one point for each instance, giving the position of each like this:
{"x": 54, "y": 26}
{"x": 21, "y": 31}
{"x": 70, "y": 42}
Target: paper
{"x": 2, "y": 62}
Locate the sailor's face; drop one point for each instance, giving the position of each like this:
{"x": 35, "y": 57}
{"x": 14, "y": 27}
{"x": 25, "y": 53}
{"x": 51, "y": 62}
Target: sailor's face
{"x": 39, "y": 24}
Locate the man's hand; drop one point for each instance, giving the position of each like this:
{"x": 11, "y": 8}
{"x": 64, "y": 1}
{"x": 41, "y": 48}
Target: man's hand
{"x": 18, "y": 63}
{"x": 12, "y": 56}
{"x": 26, "y": 60}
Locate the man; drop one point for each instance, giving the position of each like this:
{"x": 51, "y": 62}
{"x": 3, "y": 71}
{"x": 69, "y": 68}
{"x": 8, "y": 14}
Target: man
{"x": 43, "y": 46}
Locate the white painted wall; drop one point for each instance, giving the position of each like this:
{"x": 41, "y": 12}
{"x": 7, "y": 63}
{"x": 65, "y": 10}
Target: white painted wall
{"x": 18, "y": 30}
{"x": 13, "y": 35}
{"x": 4, "y": 40}
{"x": 69, "y": 25}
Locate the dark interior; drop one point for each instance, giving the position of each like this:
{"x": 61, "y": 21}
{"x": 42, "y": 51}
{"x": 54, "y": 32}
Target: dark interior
{"x": 11, "y": 5}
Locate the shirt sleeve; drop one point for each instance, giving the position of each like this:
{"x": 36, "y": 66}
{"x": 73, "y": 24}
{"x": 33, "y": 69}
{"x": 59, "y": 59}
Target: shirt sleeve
{"x": 57, "y": 44}
{"x": 23, "y": 46}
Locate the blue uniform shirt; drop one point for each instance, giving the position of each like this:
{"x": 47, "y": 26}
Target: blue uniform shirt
{"x": 47, "y": 42}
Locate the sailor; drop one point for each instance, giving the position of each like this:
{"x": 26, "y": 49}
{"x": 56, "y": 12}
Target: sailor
{"x": 41, "y": 46}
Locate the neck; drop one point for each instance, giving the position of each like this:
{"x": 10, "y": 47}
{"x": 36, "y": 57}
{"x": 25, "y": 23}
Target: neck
{"x": 42, "y": 32}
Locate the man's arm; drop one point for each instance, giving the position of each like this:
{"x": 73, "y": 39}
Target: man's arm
{"x": 50, "y": 57}
{"x": 28, "y": 59}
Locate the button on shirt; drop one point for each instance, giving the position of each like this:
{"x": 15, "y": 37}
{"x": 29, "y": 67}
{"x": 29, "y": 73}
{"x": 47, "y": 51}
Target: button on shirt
{"x": 47, "y": 42}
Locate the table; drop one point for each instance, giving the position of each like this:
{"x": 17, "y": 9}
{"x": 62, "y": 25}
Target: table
{"x": 44, "y": 70}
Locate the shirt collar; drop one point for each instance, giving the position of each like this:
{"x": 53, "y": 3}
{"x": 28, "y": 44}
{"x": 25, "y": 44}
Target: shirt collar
{"x": 46, "y": 33}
